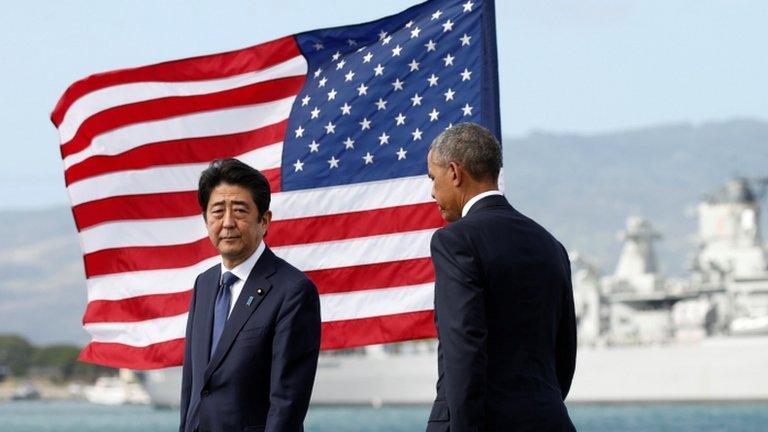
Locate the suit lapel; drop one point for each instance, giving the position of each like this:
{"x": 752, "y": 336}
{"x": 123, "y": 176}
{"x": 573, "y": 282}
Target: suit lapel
{"x": 256, "y": 281}
{"x": 209, "y": 284}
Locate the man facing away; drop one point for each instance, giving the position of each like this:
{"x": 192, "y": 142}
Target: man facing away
{"x": 253, "y": 332}
{"x": 503, "y": 299}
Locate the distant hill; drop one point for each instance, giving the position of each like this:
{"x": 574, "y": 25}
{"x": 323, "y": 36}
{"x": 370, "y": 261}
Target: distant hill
{"x": 580, "y": 187}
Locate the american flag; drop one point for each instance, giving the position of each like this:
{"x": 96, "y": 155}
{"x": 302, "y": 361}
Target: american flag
{"x": 339, "y": 120}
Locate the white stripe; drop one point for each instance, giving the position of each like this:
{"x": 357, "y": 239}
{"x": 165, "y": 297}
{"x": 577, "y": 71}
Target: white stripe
{"x": 371, "y": 303}
{"x": 139, "y": 334}
{"x": 133, "y": 284}
{"x": 162, "y": 179}
{"x": 358, "y": 251}
{"x": 203, "y": 124}
{"x": 285, "y": 206}
{"x": 123, "y": 94}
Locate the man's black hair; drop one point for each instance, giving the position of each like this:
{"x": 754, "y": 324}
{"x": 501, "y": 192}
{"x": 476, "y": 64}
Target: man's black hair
{"x": 233, "y": 172}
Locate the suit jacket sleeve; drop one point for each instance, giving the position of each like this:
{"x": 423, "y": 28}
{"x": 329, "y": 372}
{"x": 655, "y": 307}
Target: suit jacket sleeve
{"x": 186, "y": 374}
{"x": 460, "y": 302}
{"x": 565, "y": 356}
{"x": 295, "y": 349}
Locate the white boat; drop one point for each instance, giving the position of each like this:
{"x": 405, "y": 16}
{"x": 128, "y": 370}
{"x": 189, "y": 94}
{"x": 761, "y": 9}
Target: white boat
{"x": 119, "y": 390}
{"x": 642, "y": 336}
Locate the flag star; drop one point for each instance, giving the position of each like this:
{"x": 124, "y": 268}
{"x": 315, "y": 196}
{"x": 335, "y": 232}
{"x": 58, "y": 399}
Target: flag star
{"x": 349, "y": 143}
{"x": 305, "y": 100}
{"x": 396, "y": 51}
{"x": 447, "y": 26}
{"x": 437, "y": 15}
{"x": 432, "y": 80}
{"x": 322, "y": 82}
{"x": 415, "y": 33}
{"x": 397, "y": 84}
{"x": 416, "y": 134}
{"x": 433, "y": 115}
{"x": 467, "y": 109}
{"x": 448, "y": 60}
{"x": 318, "y": 46}
{"x": 400, "y": 119}
{"x": 298, "y": 166}
{"x": 332, "y": 94}
{"x": 465, "y": 76}
{"x": 378, "y": 70}
{"x": 351, "y": 42}
{"x": 401, "y": 153}
{"x": 416, "y": 99}
{"x": 449, "y": 95}
{"x": 333, "y": 162}
{"x": 386, "y": 40}
{"x": 468, "y": 6}
{"x": 336, "y": 56}
{"x": 365, "y": 124}
{"x": 362, "y": 90}
{"x": 340, "y": 64}
{"x": 414, "y": 65}
{"x": 383, "y": 138}
{"x": 367, "y": 57}
{"x": 382, "y": 34}
{"x": 409, "y": 24}
{"x": 465, "y": 39}
{"x": 346, "y": 109}
{"x": 450, "y": 125}
{"x": 431, "y": 46}
{"x": 299, "y": 132}
{"x": 360, "y": 49}
{"x": 330, "y": 128}
{"x": 349, "y": 76}
{"x": 381, "y": 104}
{"x": 368, "y": 158}
{"x": 315, "y": 112}
{"x": 314, "y": 147}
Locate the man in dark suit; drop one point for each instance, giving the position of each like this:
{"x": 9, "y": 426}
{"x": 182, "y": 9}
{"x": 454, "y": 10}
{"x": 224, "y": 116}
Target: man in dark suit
{"x": 503, "y": 299}
{"x": 253, "y": 332}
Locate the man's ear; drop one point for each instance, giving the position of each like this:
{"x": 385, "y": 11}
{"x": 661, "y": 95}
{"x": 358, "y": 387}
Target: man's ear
{"x": 457, "y": 174}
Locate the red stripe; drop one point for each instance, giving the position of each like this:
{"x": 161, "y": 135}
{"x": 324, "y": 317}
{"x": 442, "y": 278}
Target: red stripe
{"x": 155, "y": 356}
{"x": 181, "y": 151}
{"x": 354, "y": 224}
{"x": 168, "y": 107}
{"x": 148, "y": 206}
{"x": 192, "y": 69}
{"x": 376, "y": 330}
{"x": 381, "y": 275}
{"x": 137, "y": 258}
{"x": 137, "y": 308}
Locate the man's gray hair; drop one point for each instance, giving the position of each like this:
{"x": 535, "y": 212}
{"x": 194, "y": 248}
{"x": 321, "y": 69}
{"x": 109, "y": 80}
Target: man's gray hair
{"x": 471, "y": 146}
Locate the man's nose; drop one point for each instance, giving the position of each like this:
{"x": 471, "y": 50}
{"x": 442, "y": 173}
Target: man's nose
{"x": 229, "y": 220}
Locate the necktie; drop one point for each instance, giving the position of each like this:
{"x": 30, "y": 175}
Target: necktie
{"x": 221, "y": 309}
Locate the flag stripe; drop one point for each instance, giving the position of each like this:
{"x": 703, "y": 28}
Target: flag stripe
{"x": 163, "y": 179}
{"x": 209, "y": 123}
{"x": 377, "y": 302}
{"x": 155, "y": 356}
{"x": 160, "y": 232}
{"x": 206, "y": 67}
{"x": 330, "y": 254}
{"x": 153, "y": 110}
{"x": 139, "y": 334}
{"x": 137, "y": 308}
{"x": 285, "y": 205}
{"x": 376, "y": 330}
{"x": 183, "y": 151}
{"x": 124, "y": 94}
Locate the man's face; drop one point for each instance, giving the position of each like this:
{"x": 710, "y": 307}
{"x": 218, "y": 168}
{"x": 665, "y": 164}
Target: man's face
{"x": 233, "y": 222}
{"x": 444, "y": 188}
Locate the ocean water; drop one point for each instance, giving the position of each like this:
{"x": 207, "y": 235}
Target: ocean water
{"x": 84, "y": 417}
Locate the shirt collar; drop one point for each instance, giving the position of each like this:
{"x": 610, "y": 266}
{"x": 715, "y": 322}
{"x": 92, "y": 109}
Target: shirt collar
{"x": 477, "y": 198}
{"x": 243, "y": 269}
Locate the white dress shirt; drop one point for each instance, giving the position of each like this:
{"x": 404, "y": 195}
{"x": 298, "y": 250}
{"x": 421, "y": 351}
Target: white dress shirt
{"x": 477, "y": 198}
{"x": 242, "y": 271}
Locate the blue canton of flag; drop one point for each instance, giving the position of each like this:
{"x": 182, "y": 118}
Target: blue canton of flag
{"x": 377, "y": 94}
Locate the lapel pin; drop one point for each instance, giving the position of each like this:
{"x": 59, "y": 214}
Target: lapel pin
{"x": 250, "y": 300}
{"x": 259, "y": 291}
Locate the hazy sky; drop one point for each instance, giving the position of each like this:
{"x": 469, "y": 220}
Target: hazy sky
{"x": 566, "y": 65}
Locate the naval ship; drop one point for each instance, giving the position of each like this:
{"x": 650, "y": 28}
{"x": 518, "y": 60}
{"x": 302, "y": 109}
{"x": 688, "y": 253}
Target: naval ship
{"x": 642, "y": 336}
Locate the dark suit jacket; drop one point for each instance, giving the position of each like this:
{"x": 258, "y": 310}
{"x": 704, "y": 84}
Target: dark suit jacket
{"x": 506, "y": 325}
{"x": 260, "y": 376}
